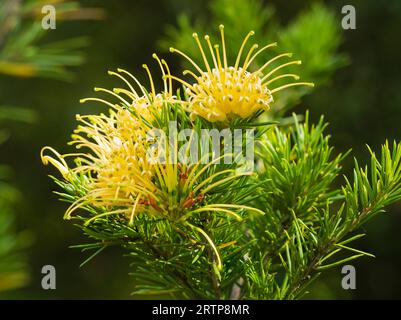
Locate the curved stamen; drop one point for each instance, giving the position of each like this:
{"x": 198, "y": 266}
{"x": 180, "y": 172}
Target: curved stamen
{"x": 135, "y": 79}
{"x": 274, "y": 44}
{"x": 182, "y": 81}
{"x": 114, "y": 106}
{"x": 131, "y": 220}
{"x": 60, "y": 164}
{"x": 309, "y": 84}
{"x": 195, "y": 35}
{"x": 287, "y": 75}
{"x": 207, "y": 38}
{"x": 185, "y": 72}
{"x": 216, "y": 47}
{"x": 274, "y": 59}
{"x": 126, "y": 92}
{"x": 152, "y": 85}
{"x": 248, "y": 56}
{"x": 96, "y": 89}
{"x": 250, "y": 34}
{"x": 162, "y": 69}
{"x": 186, "y": 57}
{"x": 112, "y": 73}
{"x": 223, "y": 42}
{"x": 170, "y": 91}
{"x": 280, "y": 67}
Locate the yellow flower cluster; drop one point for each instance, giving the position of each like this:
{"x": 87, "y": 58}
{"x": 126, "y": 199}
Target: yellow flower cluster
{"x": 117, "y": 157}
{"x": 223, "y": 92}
{"x": 114, "y": 161}
{"x": 118, "y": 177}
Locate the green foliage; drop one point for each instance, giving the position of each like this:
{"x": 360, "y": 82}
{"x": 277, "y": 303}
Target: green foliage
{"x": 24, "y": 52}
{"x": 309, "y": 226}
{"x": 315, "y": 36}
{"x": 265, "y": 235}
{"x": 298, "y": 168}
{"x": 254, "y": 16}
{"x": 13, "y": 264}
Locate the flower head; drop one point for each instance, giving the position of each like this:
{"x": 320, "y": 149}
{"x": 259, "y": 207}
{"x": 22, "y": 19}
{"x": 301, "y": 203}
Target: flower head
{"x": 117, "y": 156}
{"x": 114, "y": 164}
{"x": 118, "y": 179}
{"x": 223, "y": 91}
{"x": 113, "y": 161}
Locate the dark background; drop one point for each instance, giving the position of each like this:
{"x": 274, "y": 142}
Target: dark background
{"x": 362, "y": 104}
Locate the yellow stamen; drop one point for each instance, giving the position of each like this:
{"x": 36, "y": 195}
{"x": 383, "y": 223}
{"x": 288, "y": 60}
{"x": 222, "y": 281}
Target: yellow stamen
{"x": 114, "y": 106}
{"x": 274, "y": 59}
{"x": 162, "y": 69}
{"x": 248, "y": 56}
{"x": 288, "y": 75}
{"x": 125, "y": 80}
{"x": 96, "y": 89}
{"x": 135, "y": 79}
{"x": 308, "y": 84}
{"x": 280, "y": 67}
{"x": 152, "y": 85}
{"x": 172, "y": 50}
{"x": 207, "y": 38}
{"x": 271, "y": 45}
{"x": 223, "y": 42}
{"x": 202, "y": 53}
{"x": 170, "y": 86}
{"x": 251, "y": 33}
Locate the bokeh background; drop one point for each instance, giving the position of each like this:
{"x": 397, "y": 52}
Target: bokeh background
{"x": 362, "y": 103}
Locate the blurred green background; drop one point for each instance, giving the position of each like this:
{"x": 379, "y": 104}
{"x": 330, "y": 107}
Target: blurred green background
{"x": 362, "y": 102}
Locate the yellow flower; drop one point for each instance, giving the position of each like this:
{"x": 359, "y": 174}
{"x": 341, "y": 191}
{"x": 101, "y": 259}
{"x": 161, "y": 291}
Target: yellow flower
{"x": 117, "y": 173}
{"x": 118, "y": 157}
{"x": 114, "y": 176}
{"x": 222, "y": 91}
{"x": 114, "y": 162}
